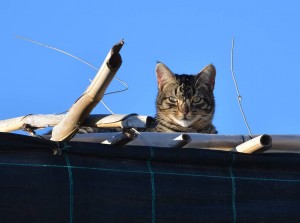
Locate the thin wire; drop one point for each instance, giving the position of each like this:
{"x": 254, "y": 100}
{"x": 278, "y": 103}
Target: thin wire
{"x": 77, "y": 58}
{"x": 56, "y": 49}
{"x": 105, "y": 105}
{"x": 239, "y": 97}
{"x": 81, "y": 60}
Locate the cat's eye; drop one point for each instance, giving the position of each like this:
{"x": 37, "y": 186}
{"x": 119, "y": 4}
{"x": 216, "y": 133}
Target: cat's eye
{"x": 173, "y": 99}
{"x": 197, "y": 100}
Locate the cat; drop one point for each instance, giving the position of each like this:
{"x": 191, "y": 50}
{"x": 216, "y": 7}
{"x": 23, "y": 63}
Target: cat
{"x": 185, "y": 103}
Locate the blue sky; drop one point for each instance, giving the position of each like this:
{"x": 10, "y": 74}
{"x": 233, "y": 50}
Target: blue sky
{"x": 185, "y": 35}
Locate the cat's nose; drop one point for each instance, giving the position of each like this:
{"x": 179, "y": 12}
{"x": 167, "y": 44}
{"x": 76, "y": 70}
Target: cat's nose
{"x": 185, "y": 109}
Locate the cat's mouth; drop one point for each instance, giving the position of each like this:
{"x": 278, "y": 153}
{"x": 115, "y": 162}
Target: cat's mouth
{"x": 184, "y": 121}
{"x": 184, "y": 117}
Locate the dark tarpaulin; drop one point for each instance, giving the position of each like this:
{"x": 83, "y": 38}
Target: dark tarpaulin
{"x": 90, "y": 182}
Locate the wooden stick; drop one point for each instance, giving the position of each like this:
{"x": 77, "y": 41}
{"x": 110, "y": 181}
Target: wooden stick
{"x": 71, "y": 123}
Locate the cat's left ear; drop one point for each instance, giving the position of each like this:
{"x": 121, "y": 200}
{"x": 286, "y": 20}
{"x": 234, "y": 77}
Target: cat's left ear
{"x": 207, "y": 75}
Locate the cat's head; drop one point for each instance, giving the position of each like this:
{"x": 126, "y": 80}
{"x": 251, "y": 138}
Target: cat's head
{"x": 186, "y": 99}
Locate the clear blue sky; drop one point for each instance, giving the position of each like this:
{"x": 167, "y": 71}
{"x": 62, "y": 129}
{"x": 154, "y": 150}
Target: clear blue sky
{"x": 185, "y": 35}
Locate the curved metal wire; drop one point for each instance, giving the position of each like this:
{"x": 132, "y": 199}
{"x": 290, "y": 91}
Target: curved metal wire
{"x": 239, "y": 97}
{"x": 81, "y": 60}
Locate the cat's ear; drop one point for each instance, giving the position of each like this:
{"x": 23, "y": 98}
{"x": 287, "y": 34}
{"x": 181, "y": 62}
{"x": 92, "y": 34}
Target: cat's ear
{"x": 163, "y": 74}
{"x": 207, "y": 75}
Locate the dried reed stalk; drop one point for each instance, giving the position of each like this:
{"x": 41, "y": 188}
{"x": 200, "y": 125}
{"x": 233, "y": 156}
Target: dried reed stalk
{"x": 262, "y": 141}
{"x": 81, "y": 109}
{"x": 97, "y": 121}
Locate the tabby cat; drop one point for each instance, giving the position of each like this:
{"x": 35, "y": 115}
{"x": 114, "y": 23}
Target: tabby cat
{"x": 185, "y": 103}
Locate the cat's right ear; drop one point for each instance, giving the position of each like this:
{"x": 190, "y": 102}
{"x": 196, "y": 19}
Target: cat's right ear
{"x": 207, "y": 76}
{"x": 163, "y": 74}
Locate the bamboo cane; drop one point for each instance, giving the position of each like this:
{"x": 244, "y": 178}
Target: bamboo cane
{"x": 255, "y": 144}
{"x": 97, "y": 121}
{"x": 71, "y": 123}
{"x": 34, "y": 121}
{"x": 122, "y": 138}
{"x": 180, "y": 141}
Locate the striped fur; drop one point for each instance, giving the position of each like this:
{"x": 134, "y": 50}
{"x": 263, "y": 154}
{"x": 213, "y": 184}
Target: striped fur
{"x": 185, "y": 103}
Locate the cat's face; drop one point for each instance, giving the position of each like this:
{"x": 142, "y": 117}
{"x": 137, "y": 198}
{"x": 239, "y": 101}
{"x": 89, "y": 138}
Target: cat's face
{"x": 185, "y": 99}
